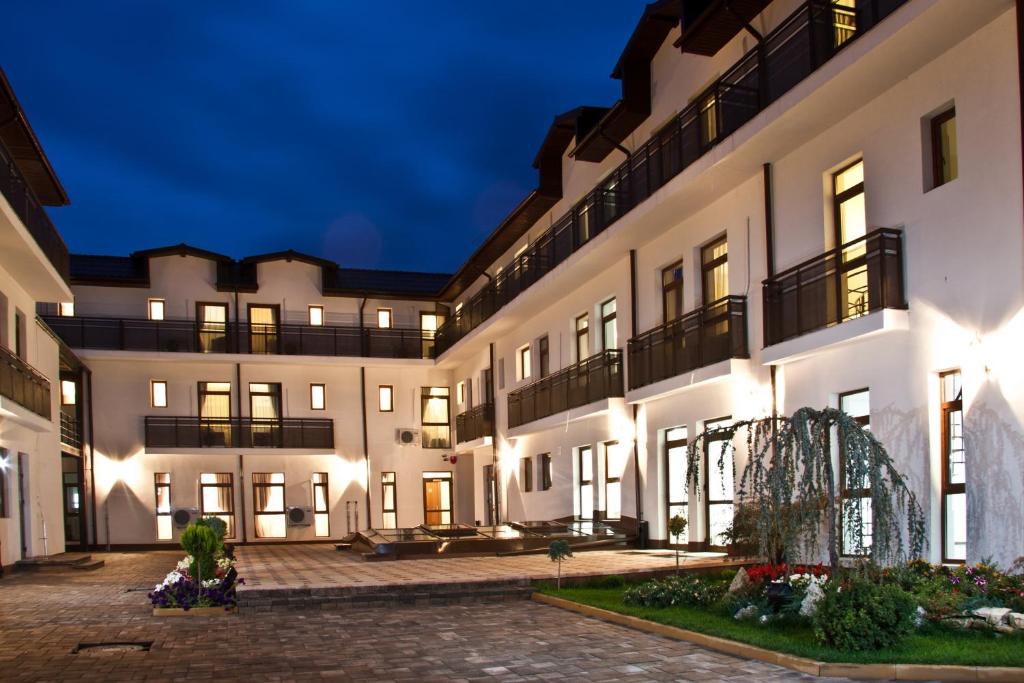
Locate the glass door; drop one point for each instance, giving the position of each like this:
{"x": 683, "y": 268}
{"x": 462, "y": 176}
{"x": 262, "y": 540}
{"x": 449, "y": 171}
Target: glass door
{"x": 263, "y": 330}
{"x": 265, "y": 411}
{"x": 676, "y": 484}
{"x": 437, "y": 498}
{"x": 490, "y": 488}
{"x": 850, "y": 229}
{"x": 212, "y": 328}
{"x": 72, "y": 481}
{"x": 215, "y": 413}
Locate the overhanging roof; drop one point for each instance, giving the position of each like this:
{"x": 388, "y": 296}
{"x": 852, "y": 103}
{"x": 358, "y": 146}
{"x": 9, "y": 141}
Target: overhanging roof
{"x": 709, "y": 24}
{"x": 18, "y": 137}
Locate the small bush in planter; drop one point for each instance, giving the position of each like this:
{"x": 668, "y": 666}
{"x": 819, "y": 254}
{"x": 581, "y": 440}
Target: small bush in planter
{"x": 200, "y": 542}
{"x": 860, "y": 614}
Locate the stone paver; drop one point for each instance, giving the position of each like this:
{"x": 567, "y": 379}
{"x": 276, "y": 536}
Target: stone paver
{"x": 43, "y": 616}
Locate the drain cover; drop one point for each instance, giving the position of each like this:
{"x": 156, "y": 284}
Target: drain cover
{"x": 111, "y": 648}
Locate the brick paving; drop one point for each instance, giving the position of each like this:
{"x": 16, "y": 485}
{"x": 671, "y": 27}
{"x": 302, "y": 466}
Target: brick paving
{"x": 44, "y": 615}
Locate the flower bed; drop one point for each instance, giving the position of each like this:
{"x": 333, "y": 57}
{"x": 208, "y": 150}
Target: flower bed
{"x": 205, "y": 580}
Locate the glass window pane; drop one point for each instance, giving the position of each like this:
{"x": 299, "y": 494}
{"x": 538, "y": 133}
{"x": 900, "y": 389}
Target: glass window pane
{"x": 678, "y": 490}
{"x": 164, "y": 528}
{"x": 613, "y": 506}
{"x": 956, "y": 526}
{"x": 850, "y": 177}
{"x": 719, "y": 519}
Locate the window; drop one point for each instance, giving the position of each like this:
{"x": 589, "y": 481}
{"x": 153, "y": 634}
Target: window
{"x": 523, "y": 363}
{"x": 543, "y": 357}
{"x": 217, "y": 498}
{"x": 582, "y": 337}
{"x": 672, "y": 292}
{"x": 212, "y": 328}
{"x": 158, "y": 393}
{"x": 156, "y": 309}
{"x": 4, "y": 465}
{"x": 943, "y": 148}
{"x": 714, "y": 260}
{"x": 316, "y": 316}
{"x": 501, "y": 373}
{"x": 677, "y": 487}
{"x": 718, "y": 482}
{"x": 67, "y": 392}
{"x": 268, "y": 501}
{"x": 469, "y": 392}
{"x": 162, "y": 486}
{"x": 263, "y": 335}
{"x": 385, "y": 398}
{"x": 708, "y": 120}
{"x": 66, "y": 309}
{"x": 265, "y": 411}
{"x": 844, "y": 21}
{"x": 954, "y": 469}
{"x": 383, "y": 318}
{"x": 585, "y": 473}
{"x": 527, "y": 474}
{"x": 850, "y": 223}
{"x": 613, "y": 466}
{"x": 429, "y": 322}
{"x": 436, "y": 419}
{"x": 321, "y": 507}
{"x": 317, "y": 396}
{"x": 20, "y": 343}
{"x": 388, "y": 500}
{"x": 545, "y": 471}
{"x": 215, "y": 413}
{"x": 609, "y": 336}
{"x": 856, "y": 494}
{"x": 460, "y": 393}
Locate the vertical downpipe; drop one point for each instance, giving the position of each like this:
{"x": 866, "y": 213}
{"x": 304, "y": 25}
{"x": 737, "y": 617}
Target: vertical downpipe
{"x": 366, "y": 446}
{"x": 241, "y": 488}
{"x": 92, "y": 462}
{"x": 769, "y": 230}
{"x": 1020, "y": 74}
{"x": 494, "y": 437}
{"x": 638, "y": 495}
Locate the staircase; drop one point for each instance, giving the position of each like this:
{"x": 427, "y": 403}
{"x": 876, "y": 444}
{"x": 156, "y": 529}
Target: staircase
{"x": 60, "y": 562}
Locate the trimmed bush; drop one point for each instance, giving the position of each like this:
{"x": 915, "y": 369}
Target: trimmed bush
{"x": 687, "y": 589}
{"x": 862, "y": 615}
{"x": 201, "y": 542}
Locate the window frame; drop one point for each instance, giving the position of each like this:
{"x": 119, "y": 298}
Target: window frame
{"x": 150, "y": 310}
{"x": 935, "y": 126}
{"x": 389, "y": 315}
{"x": 845, "y": 491}
{"x": 393, "y": 510}
{"x": 588, "y": 452}
{"x": 546, "y": 472}
{"x": 309, "y": 315}
{"x": 608, "y": 479}
{"x": 391, "y": 398}
{"x": 840, "y": 198}
{"x": 708, "y": 267}
{"x": 157, "y": 485}
{"x": 323, "y": 396}
{"x": 582, "y": 333}
{"x": 708, "y": 500}
{"x": 66, "y": 309}
{"x": 543, "y": 357}
{"x": 4, "y": 468}
{"x": 152, "y": 393}
{"x": 527, "y": 474}
{"x": 668, "y": 445}
{"x": 524, "y": 363}
{"x": 425, "y": 398}
{"x": 324, "y": 484}
{"x": 607, "y": 318}
{"x": 675, "y": 286}
{"x": 257, "y": 513}
{"x": 946, "y": 409}
{"x": 230, "y": 512}
{"x": 204, "y": 344}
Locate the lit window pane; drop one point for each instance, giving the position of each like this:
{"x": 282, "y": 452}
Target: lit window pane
{"x": 956, "y": 526}
{"x": 316, "y": 316}
{"x": 384, "y": 399}
{"x": 316, "y": 396}
{"x": 384, "y": 317}
{"x": 720, "y": 519}
{"x": 163, "y": 528}
{"x": 67, "y": 392}
{"x": 156, "y": 309}
{"x": 159, "y": 394}
{"x": 67, "y": 309}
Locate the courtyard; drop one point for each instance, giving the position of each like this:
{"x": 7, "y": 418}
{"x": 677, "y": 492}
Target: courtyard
{"x": 44, "y": 616}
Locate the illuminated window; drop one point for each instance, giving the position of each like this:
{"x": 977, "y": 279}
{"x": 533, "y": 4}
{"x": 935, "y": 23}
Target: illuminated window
{"x": 158, "y": 393}
{"x": 217, "y": 498}
{"x": 954, "y": 469}
{"x": 943, "y": 139}
{"x": 675, "y": 475}
{"x": 844, "y": 21}
{"x": 856, "y": 494}
{"x": 715, "y": 270}
{"x": 162, "y": 485}
{"x": 316, "y": 316}
{"x": 585, "y": 482}
{"x": 718, "y": 482}
{"x": 67, "y": 309}
{"x": 672, "y": 292}
{"x": 609, "y": 335}
{"x": 67, "y": 392}
{"x": 460, "y": 393}
{"x": 850, "y": 221}
{"x": 527, "y": 475}
{"x": 385, "y": 398}
{"x": 156, "y": 309}
{"x": 613, "y": 465}
{"x": 268, "y": 497}
{"x": 436, "y": 418}
{"x": 582, "y": 337}
{"x": 388, "y": 500}
{"x": 523, "y": 363}
{"x": 383, "y": 318}
{"x": 321, "y": 509}
{"x": 317, "y": 396}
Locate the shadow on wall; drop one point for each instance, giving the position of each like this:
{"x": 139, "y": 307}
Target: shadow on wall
{"x": 904, "y": 433}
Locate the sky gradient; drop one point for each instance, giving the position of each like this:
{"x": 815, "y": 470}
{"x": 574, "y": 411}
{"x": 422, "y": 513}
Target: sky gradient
{"x": 380, "y": 135}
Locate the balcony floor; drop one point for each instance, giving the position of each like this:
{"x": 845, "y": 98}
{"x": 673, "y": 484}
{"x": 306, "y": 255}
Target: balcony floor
{"x": 849, "y": 332}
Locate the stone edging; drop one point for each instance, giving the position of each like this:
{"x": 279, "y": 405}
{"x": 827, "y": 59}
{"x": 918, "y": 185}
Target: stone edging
{"x": 899, "y": 672}
{"x": 193, "y": 612}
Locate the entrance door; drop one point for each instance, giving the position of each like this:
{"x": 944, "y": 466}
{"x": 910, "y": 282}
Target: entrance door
{"x": 490, "y": 518}
{"x": 437, "y": 498}
{"x": 72, "y": 489}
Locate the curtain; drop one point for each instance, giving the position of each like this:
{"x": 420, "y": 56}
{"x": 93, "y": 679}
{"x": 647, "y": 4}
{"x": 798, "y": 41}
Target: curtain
{"x": 268, "y": 499}
{"x": 217, "y": 498}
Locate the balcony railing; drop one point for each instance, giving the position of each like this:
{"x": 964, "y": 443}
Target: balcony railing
{"x": 23, "y": 384}
{"x": 859, "y": 277}
{"x": 69, "y": 432}
{"x": 475, "y": 423}
{"x": 710, "y": 334}
{"x": 239, "y": 432}
{"x": 589, "y": 380}
{"x": 32, "y": 214}
{"x": 808, "y": 38}
{"x": 135, "y": 334}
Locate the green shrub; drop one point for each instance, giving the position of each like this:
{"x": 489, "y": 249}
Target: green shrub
{"x": 218, "y": 526}
{"x": 687, "y": 589}
{"x": 200, "y": 541}
{"x": 863, "y": 615}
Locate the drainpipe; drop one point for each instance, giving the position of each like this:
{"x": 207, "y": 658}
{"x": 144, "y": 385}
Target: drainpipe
{"x": 366, "y": 448}
{"x": 92, "y": 459}
{"x": 494, "y": 437}
{"x": 636, "y": 441}
{"x": 241, "y": 478}
{"x": 362, "y": 336}
{"x": 769, "y": 234}
{"x": 1020, "y": 69}
{"x": 617, "y": 145}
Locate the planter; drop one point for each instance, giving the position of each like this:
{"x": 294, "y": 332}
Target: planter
{"x": 194, "y": 612}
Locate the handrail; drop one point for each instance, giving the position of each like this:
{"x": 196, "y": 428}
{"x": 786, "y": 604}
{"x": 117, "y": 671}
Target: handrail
{"x": 589, "y": 380}
{"x": 23, "y": 384}
{"x": 474, "y": 423}
{"x": 238, "y": 432}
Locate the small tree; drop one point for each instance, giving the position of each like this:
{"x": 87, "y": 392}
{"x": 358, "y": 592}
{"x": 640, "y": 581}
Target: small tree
{"x": 558, "y": 551}
{"x": 677, "y": 527}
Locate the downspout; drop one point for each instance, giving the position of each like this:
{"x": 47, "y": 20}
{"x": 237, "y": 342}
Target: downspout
{"x": 617, "y": 145}
{"x": 494, "y": 437}
{"x": 1020, "y": 72}
{"x": 92, "y": 460}
{"x": 366, "y": 448}
{"x": 636, "y": 440}
{"x": 769, "y": 234}
{"x": 362, "y": 336}
{"x": 238, "y": 412}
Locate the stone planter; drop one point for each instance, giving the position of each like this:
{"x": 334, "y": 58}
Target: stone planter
{"x": 194, "y": 612}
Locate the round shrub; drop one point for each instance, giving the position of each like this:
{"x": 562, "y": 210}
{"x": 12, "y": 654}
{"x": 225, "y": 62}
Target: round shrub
{"x": 863, "y": 615}
{"x": 200, "y": 541}
{"x": 676, "y": 590}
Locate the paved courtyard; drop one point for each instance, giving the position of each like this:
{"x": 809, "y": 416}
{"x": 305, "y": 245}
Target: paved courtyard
{"x": 43, "y": 616}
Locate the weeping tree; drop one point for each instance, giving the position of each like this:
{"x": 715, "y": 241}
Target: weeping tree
{"x": 795, "y": 491}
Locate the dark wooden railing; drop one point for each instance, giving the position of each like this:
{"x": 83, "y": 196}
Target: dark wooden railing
{"x": 710, "y": 334}
{"x": 798, "y": 46}
{"x": 136, "y": 334}
{"x": 589, "y": 380}
{"x": 32, "y": 214}
{"x": 859, "y": 277}
{"x": 23, "y": 384}
{"x": 69, "y": 432}
{"x": 239, "y": 432}
{"x": 475, "y": 423}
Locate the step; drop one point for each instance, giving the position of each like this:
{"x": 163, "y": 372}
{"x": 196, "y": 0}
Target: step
{"x": 60, "y": 561}
{"x": 89, "y": 566}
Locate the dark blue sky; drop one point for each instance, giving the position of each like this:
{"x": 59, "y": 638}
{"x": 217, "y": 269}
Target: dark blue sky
{"x": 378, "y": 134}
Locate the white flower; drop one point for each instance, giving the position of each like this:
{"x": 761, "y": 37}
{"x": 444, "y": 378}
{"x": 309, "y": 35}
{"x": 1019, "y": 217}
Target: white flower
{"x": 211, "y": 583}
{"x": 173, "y": 578}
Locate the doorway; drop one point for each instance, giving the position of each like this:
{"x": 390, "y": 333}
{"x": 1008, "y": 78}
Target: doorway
{"x": 490, "y": 488}
{"x": 72, "y": 496}
{"x": 437, "y": 498}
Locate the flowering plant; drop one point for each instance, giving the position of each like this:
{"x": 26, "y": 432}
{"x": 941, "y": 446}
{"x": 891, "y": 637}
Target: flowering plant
{"x": 179, "y": 589}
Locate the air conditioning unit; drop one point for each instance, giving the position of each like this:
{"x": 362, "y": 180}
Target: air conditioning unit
{"x": 300, "y": 516}
{"x": 407, "y": 437}
{"x": 184, "y": 516}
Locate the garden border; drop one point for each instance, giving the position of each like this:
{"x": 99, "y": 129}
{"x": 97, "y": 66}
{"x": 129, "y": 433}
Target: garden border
{"x": 899, "y": 672}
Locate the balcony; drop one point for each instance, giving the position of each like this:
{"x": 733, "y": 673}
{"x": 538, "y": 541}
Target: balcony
{"x": 474, "y": 424}
{"x": 32, "y": 214}
{"x": 23, "y": 384}
{"x": 708, "y": 335}
{"x": 136, "y": 334}
{"x": 851, "y": 281}
{"x": 807, "y": 39}
{"x": 589, "y": 380}
{"x": 70, "y": 435}
{"x": 239, "y": 432}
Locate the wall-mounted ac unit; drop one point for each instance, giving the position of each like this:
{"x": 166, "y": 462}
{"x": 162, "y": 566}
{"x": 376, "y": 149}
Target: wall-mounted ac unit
{"x": 300, "y": 516}
{"x": 407, "y": 437}
{"x": 184, "y": 516}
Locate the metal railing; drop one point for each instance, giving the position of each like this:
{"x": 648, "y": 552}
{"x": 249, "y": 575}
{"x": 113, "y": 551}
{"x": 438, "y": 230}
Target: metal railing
{"x": 710, "y": 334}
{"x": 808, "y": 38}
{"x": 69, "y": 432}
{"x": 589, "y": 380}
{"x": 23, "y": 384}
{"x": 32, "y": 214}
{"x": 239, "y": 432}
{"x": 137, "y": 334}
{"x": 475, "y": 423}
{"x": 852, "y": 280}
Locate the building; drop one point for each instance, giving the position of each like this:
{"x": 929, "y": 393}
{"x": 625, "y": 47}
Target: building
{"x": 791, "y": 204}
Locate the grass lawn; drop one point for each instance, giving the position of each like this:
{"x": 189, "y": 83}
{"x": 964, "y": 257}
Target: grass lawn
{"x": 930, "y": 645}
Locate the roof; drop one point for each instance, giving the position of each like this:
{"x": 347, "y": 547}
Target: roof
{"x": 181, "y": 250}
{"x": 18, "y": 137}
{"x": 709, "y": 24}
{"x": 125, "y": 271}
{"x": 386, "y": 283}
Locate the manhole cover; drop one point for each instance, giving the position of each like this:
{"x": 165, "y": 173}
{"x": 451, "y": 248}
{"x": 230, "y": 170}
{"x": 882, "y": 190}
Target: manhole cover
{"x": 110, "y": 648}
